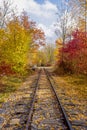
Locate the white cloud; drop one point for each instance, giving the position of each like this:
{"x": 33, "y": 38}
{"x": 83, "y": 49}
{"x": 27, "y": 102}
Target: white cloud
{"x": 49, "y": 31}
{"x": 44, "y": 14}
{"x": 45, "y": 10}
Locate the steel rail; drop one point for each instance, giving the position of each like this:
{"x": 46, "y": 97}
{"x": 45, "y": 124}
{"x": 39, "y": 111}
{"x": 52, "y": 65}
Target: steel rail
{"x": 67, "y": 122}
{"x": 28, "y": 124}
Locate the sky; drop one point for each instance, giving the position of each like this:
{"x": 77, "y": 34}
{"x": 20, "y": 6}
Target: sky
{"x": 43, "y": 12}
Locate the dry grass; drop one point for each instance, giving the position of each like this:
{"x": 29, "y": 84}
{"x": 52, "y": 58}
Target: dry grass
{"x": 79, "y": 82}
{"x": 74, "y": 89}
{"x": 8, "y": 85}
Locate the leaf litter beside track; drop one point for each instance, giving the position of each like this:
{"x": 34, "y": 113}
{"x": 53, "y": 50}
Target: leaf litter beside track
{"x": 8, "y": 85}
{"x": 16, "y": 103}
{"x": 72, "y": 91}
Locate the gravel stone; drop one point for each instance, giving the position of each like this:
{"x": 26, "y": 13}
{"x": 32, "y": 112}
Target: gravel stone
{"x": 15, "y": 122}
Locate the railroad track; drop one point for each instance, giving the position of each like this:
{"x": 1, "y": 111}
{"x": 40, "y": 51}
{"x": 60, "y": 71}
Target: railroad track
{"x": 46, "y": 110}
{"x": 28, "y": 125}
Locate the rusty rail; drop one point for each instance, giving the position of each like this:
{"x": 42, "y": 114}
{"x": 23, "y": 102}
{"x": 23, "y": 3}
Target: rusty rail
{"x": 66, "y": 120}
{"x": 28, "y": 124}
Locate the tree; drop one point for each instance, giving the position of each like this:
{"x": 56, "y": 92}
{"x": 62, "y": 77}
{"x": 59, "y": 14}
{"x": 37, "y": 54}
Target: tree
{"x": 83, "y": 15}
{"x": 5, "y": 12}
{"x": 66, "y": 22}
{"x": 18, "y": 45}
{"x": 75, "y": 53}
{"x": 46, "y": 55}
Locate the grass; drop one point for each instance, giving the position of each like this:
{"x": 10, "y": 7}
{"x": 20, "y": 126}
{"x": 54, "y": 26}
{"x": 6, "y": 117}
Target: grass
{"x": 72, "y": 90}
{"x": 8, "y": 85}
{"x": 79, "y": 82}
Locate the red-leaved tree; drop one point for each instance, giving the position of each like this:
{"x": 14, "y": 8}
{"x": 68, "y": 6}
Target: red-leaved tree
{"x": 75, "y": 53}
